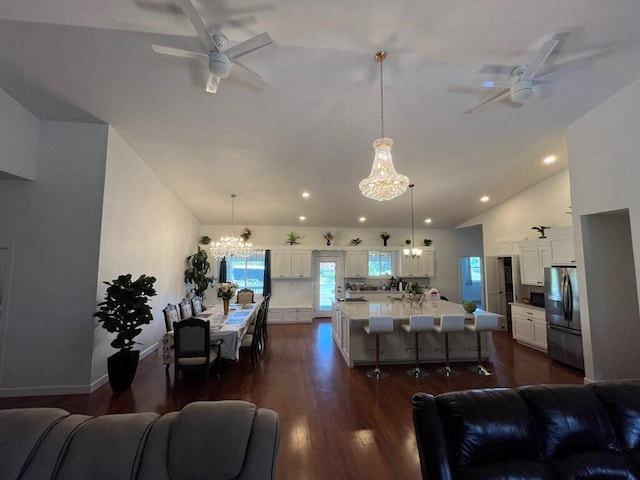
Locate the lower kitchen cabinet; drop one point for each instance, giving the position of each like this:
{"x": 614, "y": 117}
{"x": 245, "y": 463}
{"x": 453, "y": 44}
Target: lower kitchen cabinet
{"x": 529, "y": 326}
{"x": 290, "y": 315}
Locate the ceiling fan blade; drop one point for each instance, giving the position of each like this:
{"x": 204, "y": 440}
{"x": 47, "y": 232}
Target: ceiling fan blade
{"x": 540, "y": 58}
{"x": 176, "y": 52}
{"x": 248, "y": 46}
{"x": 248, "y": 74}
{"x": 195, "y": 19}
{"x": 500, "y": 85}
{"x": 495, "y": 98}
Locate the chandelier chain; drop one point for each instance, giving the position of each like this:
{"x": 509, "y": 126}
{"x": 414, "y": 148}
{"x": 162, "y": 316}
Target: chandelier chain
{"x": 381, "y": 102}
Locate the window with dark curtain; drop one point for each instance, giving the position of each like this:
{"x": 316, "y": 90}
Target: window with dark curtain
{"x": 247, "y": 272}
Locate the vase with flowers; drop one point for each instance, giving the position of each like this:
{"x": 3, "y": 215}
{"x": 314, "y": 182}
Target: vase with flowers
{"x": 226, "y": 291}
{"x": 245, "y": 234}
{"x": 385, "y": 236}
{"x": 328, "y": 236}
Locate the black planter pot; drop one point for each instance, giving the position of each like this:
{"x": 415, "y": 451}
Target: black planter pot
{"x": 122, "y": 368}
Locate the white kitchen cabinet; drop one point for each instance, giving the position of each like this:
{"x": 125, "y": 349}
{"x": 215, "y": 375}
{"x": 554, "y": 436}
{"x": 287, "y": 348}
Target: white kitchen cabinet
{"x": 291, "y": 264}
{"x": 290, "y": 315}
{"x": 561, "y": 241}
{"x": 507, "y": 248}
{"x": 534, "y": 256}
{"x": 422, "y": 266}
{"x": 529, "y": 326}
{"x": 357, "y": 264}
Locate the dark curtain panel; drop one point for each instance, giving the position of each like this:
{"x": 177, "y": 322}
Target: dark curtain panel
{"x": 267, "y": 273}
{"x": 222, "y": 274}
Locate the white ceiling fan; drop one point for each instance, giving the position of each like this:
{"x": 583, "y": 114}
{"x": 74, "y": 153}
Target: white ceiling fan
{"x": 521, "y": 80}
{"x": 220, "y": 60}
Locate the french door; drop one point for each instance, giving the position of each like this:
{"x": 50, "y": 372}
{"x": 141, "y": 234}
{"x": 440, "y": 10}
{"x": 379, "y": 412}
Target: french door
{"x": 328, "y": 283}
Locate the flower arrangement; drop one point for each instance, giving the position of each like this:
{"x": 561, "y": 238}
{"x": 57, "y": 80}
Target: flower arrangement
{"x": 292, "y": 237}
{"x": 328, "y": 236}
{"x": 355, "y": 241}
{"x": 245, "y": 233}
{"x": 385, "y": 236}
{"x": 415, "y": 288}
{"x": 226, "y": 290}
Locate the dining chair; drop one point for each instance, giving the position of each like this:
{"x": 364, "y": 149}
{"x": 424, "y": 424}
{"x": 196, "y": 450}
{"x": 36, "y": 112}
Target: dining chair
{"x": 185, "y": 309}
{"x": 196, "y": 305}
{"x": 265, "y": 302}
{"x": 253, "y": 341}
{"x": 170, "y": 313}
{"x": 193, "y": 348}
{"x": 245, "y": 296}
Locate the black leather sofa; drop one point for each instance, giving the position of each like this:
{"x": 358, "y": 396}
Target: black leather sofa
{"x": 533, "y": 432}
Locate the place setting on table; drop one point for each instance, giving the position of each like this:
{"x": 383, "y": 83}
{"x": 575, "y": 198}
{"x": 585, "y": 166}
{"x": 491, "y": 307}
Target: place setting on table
{"x": 230, "y": 328}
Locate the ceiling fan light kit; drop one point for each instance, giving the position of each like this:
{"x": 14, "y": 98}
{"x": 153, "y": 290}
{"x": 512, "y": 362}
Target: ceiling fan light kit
{"x": 219, "y": 64}
{"x": 383, "y": 182}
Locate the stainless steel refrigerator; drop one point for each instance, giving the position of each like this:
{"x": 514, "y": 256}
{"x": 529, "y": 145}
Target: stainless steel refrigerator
{"x": 562, "y": 308}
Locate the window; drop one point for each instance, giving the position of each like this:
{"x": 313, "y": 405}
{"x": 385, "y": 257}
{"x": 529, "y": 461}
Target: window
{"x": 475, "y": 275}
{"x": 247, "y": 272}
{"x": 380, "y": 263}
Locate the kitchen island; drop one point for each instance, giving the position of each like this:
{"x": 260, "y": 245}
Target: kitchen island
{"x": 359, "y": 348}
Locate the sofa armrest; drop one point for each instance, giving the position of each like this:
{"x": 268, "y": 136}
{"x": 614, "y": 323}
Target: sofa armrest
{"x": 429, "y": 437}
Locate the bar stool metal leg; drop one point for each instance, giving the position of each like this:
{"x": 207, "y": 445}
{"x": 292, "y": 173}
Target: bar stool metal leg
{"x": 479, "y": 369}
{"x": 376, "y": 372}
{"x": 447, "y": 371}
{"x": 417, "y": 372}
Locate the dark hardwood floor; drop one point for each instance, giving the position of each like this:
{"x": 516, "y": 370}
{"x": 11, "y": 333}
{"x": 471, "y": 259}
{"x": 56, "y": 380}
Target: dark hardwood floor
{"x": 336, "y": 422}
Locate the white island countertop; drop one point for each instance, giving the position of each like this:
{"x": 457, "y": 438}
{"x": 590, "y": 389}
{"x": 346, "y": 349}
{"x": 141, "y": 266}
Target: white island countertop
{"x": 400, "y": 310}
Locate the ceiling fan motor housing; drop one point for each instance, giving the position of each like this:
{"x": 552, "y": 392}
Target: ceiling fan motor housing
{"x": 521, "y": 90}
{"x": 219, "y": 64}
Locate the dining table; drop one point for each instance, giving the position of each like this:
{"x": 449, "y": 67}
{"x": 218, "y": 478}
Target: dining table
{"x": 229, "y": 328}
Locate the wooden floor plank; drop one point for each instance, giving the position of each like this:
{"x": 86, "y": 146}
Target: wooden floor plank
{"x": 336, "y": 422}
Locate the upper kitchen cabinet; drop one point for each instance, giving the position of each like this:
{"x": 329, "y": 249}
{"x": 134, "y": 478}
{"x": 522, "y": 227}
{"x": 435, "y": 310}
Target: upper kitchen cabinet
{"x": 422, "y": 266}
{"x": 561, "y": 241}
{"x": 534, "y": 256}
{"x": 288, "y": 264}
{"x": 357, "y": 264}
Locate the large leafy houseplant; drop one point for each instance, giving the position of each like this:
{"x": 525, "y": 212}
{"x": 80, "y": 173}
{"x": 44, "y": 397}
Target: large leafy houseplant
{"x": 196, "y": 274}
{"x": 123, "y": 312}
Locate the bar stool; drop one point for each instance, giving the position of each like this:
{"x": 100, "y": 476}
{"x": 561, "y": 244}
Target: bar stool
{"x": 417, "y": 324}
{"x": 378, "y": 325}
{"x": 449, "y": 323}
{"x": 482, "y": 322}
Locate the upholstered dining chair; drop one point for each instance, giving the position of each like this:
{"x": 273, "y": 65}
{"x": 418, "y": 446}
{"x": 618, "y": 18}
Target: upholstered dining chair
{"x": 193, "y": 349}
{"x": 245, "y": 296}
{"x": 254, "y": 340}
{"x": 170, "y": 313}
{"x": 185, "y": 309}
{"x": 196, "y": 305}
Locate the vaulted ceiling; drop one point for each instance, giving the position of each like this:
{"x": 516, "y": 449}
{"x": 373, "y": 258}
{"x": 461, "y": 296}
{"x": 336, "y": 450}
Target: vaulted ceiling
{"x": 312, "y": 126}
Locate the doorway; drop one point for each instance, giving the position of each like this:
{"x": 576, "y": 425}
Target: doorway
{"x": 327, "y": 285}
{"x": 471, "y": 280}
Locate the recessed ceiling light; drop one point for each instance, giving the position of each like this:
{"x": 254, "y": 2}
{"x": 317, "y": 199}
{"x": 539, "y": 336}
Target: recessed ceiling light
{"x": 484, "y": 199}
{"x": 305, "y": 194}
{"x": 427, "y": 220}
{"x": 550, "y": 159}
{"x": 362, "y": 219}
{"x": 302, "y": 218}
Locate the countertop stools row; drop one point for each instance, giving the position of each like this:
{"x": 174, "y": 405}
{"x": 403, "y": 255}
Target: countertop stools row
{"x": 449, "y": 323}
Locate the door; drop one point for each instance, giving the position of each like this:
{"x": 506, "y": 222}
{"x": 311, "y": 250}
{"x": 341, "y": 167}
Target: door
{"x": 328, "y": 284}
{"x": 494, "y": 280}
{"x": 471, "y": 280}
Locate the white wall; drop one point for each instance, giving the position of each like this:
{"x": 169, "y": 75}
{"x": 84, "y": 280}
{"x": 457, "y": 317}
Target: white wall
{"x": 542, "y": 204}
{"x": 18, "y": 139}
{"x": 52, "y": 228}
{"x": 449, "y": 245}
{"x": 145, "y": 230}
{"x": 603, "y": 151}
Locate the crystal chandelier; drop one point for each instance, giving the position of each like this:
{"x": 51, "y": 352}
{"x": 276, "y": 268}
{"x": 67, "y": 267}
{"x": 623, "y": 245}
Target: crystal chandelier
{"x": 231, "y": 246}
{"x": 412, "y": 252}
{"x": 383, "y": 182}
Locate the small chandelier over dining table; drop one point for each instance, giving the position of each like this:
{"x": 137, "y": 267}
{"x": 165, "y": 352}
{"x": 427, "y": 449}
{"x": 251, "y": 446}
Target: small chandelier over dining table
{"x": 383, "y": 182}
{"x": 231, "y": 246}
{"x": 412, "y": 252}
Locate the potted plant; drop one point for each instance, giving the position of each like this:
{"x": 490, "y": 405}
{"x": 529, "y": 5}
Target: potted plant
{"x": 328, "y": 236}
{"x": 196, "y": 274}
{"x": 385, "y": 236}
{"x": 122, "y": 312}
{"x": 292, "y": 237}
{"x": 355, "y": 241}
{"x": 245, "y": 234}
